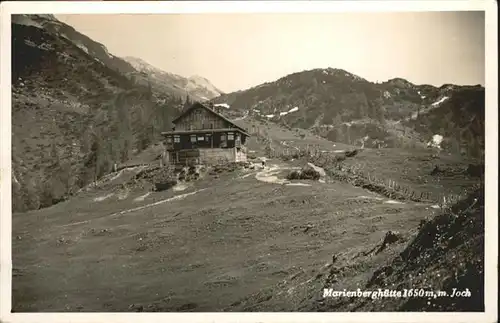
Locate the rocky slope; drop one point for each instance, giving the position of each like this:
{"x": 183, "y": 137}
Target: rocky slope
{"x": 196, "y": 86}
{"x": 74, "y": 111}
{"x": 439, "y": 265}
{"x": 346, "y": 108}
{"x": 138, "y": 71}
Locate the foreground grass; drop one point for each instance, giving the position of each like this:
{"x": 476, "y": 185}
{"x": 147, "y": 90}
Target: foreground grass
{"x": 235, "y": 244}
{"x": 202, "y": 253}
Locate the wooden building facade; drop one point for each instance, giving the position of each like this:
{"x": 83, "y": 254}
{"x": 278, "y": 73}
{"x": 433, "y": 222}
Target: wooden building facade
{"x": 202, "y": 135}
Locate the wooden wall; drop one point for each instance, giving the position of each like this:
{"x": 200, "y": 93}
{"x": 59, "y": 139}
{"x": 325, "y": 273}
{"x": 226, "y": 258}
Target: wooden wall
{"x": 199, "y": 118}
{"x": 210, "y": 140}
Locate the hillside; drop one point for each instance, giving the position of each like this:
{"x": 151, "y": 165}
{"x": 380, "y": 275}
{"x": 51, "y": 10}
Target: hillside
{"x": 73, "y": 116}
{"x": 344, "y": 107}
{"x": 95, "y": 211}
{"x": 246, "y": 239}
{"x": 136, "y": 70}
{"x": 196, "y": 86}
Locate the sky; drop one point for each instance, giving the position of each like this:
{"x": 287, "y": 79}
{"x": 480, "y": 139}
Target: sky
{"x": 239, "y": 51}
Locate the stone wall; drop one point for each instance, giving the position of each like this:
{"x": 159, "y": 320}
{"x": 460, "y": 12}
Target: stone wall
{"x": 211, "y": 156}
{"x": 217, "y": 155}
{"x": 240, "y": 155}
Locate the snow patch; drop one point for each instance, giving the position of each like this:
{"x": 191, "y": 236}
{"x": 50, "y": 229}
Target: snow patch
{"x": 175, "y": 198}
{"x": 298, "y": 184}
{"x": 83, "y": 47}
{"x": 180, "y": 187}
{"x": 268, "y": 175}
{"x": 364, "y": 197}
{"x": 142, "y": 197}
{"x": 102, "y": 198}
{"x": 223, "y": 105}
{"x": 438, "y": 102}
{"x": 435, "y": 141}
{"x": 284, "y": 113}
{"x": 393, "y": 202}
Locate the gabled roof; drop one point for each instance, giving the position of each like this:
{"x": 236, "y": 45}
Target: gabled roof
{"x": 207, "y": 131}
{"x": 199, "y": 104}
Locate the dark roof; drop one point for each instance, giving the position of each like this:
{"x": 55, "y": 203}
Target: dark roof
{"x": 182, "y": 132}
{"x": 194, "y": 105}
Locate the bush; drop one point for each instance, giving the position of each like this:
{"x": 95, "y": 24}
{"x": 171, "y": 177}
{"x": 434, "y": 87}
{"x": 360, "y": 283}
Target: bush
{"x": 310, "y": 173}
{"x": 339, "y": 158}
{"x": 294, "y": 175}
{"x": 306, "y": 173}
{"x": 351, "y": 153}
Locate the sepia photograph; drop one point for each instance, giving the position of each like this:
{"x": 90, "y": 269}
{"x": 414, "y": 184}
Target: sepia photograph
{"x": 236, "y": 161}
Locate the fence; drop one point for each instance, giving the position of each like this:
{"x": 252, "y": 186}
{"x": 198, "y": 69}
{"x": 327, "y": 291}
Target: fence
{"x": 356, "y": 175}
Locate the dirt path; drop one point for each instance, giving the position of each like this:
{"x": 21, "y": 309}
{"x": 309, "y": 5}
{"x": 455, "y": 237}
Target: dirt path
{"x": 270, "y": 175}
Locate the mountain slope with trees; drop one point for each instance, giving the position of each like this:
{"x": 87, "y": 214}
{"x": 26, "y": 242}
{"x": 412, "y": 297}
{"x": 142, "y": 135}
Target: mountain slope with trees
{"x": 74, "y": 116}
{"x": 346, "y": 108}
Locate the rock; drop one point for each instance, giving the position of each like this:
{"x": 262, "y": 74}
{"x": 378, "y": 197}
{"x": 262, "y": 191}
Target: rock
{"x": 390, "y": 238}
{"x": 318, "y": 169}
{"x": 164, "y": 185}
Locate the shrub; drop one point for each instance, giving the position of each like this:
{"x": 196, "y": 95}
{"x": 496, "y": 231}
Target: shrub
{"x": 164, "y": 185}
{"x": 294, "y": 175}
{"x": 339, "y": 158}
{"x": 310, "y": 173}
{"x": 351, "y": 153}
{"x": 307, "y": 173}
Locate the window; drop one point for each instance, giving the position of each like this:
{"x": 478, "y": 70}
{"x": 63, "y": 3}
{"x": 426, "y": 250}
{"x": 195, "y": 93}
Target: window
{"x": 230, "y": 136}
{"x": 190, "y": 127}
{"x": 201, "y": 138}
{"x": 177, "y": 139}
{"x": 169, "y": 140}
{"x": 193, "y": 138}
{"x": 223, "y": 137}
{"x": 211, "y": 126}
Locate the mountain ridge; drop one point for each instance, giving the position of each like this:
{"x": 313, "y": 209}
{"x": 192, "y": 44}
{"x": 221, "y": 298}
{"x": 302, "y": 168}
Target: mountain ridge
{"x": 172, "y": 84}
{"x": 73, "y": 115}
{"x": 197, "y": 86}
{"x": 332, "y": 98}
